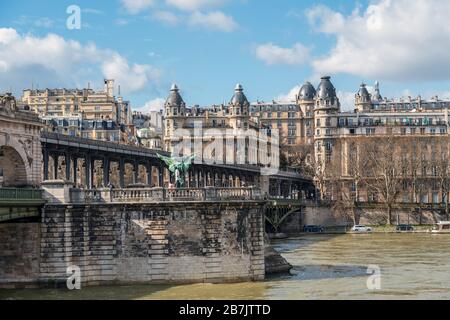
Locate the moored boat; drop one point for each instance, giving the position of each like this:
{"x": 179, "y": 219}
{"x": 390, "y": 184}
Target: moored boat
{"x": 442, "y": 227}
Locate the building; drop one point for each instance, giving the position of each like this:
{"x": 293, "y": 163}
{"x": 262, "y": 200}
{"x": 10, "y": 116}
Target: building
{"x": 225, "y": 133}
{"x": 83, "y": 112}
{"x": 149, "y": 129}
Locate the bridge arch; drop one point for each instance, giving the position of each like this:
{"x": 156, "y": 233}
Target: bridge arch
{"x": 14, "y": 165}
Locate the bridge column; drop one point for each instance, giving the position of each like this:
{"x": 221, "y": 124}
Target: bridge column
{"x": 106, "y": 167}
{"x": 122, "y": 173}
{"x": 149, "y": 169}
{"x": 55, "y": 166}
{"x": 135, "y": 172}
{"x": 197, "y": 178}
{"x": 46, "y": 160}
{"x": 87, "y": 171}
{"x": 161, "y": 176}
{"x": 75, "y": 169}
{"x": 67, "y": 160}
{"x": 279, "y": 188}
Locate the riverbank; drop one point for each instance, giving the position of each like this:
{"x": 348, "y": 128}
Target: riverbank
{"x": 376, "y": 229}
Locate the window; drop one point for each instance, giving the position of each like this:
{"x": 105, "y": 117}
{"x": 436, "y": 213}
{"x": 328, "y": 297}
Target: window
{"x": 422, "y": 131}
{"x": 318, "y": 123}
{"x": 370, "y": 131}
{"x": 403, "y": 131}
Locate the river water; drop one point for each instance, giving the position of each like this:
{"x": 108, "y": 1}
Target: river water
{"x": 412, "y": 266}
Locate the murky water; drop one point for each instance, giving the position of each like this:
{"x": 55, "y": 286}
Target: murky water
{"x": 413, "y": 266}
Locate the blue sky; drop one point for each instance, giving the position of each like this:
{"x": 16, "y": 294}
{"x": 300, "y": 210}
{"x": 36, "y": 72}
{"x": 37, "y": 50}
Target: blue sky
{"x": 207, "y": 46}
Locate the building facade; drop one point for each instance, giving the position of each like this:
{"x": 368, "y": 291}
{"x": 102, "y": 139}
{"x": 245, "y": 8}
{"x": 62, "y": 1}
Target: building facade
{"x": 83, "y": 112}
{"x": 149, "y": 129}
{"x": 222, "y": 134}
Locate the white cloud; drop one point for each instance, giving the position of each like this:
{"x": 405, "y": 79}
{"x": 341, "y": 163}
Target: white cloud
{"x": 213, "y": 20}
{"x": 166, "y": 17}
{"x": 391, "y": 40}
{"x": 121, "y": 22}
{"x": 192, "y": 5}
{"x": 347, "y": 100}
{"x": 136, "y": 6}
{"x": 272, "y": 54}
{"x": 290, "y": 96}
{"x": 131, "y": 77}
{"x": 154, "y": 105}
{"x": 54, "y": 60}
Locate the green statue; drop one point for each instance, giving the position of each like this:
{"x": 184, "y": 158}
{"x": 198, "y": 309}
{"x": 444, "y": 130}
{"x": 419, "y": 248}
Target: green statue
{"x": 178, "y": 168}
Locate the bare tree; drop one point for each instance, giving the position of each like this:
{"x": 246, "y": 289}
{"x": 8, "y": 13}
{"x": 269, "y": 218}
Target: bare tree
{"x": 384, "y": 170}
{"x": 441, "y": 170}
{"x": 301, "y": 157}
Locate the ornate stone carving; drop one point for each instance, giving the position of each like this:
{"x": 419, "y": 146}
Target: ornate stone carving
{"x": 8, "y": 103}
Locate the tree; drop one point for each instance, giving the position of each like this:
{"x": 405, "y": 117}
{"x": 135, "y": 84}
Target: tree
{"x": 417, "y": 155}
{"x": 441, "y": 170}
{"x": 300, "y": 158}
{"x": 384, "y": 170}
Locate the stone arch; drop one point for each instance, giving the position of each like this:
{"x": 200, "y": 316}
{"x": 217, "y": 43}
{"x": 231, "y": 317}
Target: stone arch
{"x": 14, "y": 164}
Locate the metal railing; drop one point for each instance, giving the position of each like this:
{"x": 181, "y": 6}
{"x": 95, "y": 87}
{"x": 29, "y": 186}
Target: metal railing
{"x": 18, "y": 195}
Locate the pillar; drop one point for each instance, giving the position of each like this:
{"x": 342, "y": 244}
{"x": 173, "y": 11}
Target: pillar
{"x": 91, "y": 172}
{"x": 136, "y": 172}
{"x": 87, "y": 171}
{"x": 149, "y": 168}
{"x": 279, "y": 188}
{"x": 75, "y": 169}
{"x": 55, "y": 166}
{"x": 67, "y": 160}
{"x": 46, "y": 159}
{"x": 106, "y": 166}
{"x": 161, "y": 176}
{"x": 122, "y": 173}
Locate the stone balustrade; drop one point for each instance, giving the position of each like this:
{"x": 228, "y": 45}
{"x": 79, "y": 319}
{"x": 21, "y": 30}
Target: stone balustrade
{"x": 54, "y": 194}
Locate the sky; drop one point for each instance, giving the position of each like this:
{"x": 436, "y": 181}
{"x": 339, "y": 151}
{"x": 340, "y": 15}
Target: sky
{"x": 208, "y": 46}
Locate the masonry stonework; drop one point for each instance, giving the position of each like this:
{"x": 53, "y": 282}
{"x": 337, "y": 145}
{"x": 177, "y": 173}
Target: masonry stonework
{"x": 153, "y": 243}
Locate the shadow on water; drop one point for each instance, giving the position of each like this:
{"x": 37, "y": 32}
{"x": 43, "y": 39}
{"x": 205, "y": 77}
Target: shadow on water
{"x": 317, "y": 272}
{"x": 301, "y": 242}
{"x": 90, "y": 293}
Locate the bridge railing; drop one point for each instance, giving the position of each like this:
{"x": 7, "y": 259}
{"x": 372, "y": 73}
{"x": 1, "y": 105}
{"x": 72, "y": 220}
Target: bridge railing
{"x": 20, "y": 195}
{"x": 164, "y": 195}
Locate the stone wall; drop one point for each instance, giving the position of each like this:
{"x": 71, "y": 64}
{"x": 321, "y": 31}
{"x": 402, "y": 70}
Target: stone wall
{"x": 19, "y": 254}
{"x": 153, "y": 243}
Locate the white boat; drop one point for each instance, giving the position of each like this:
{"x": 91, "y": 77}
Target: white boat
{"x": 442, "y": 227}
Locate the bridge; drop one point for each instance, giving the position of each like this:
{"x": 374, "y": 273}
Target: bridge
{"x": 30, "y": 156}
{"x": 62, "y": 156}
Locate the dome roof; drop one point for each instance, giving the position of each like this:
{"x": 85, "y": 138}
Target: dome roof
{"x": 377, "y": 95}
{"x": 174, "y": 98}
{"x": 363, "y": 93}
{"x": 326, "y": 89}
{"x": 307, "y": 92}
{"x": 239, "y": 97}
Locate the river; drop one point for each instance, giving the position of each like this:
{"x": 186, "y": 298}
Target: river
{"x": 412, "y": 266}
